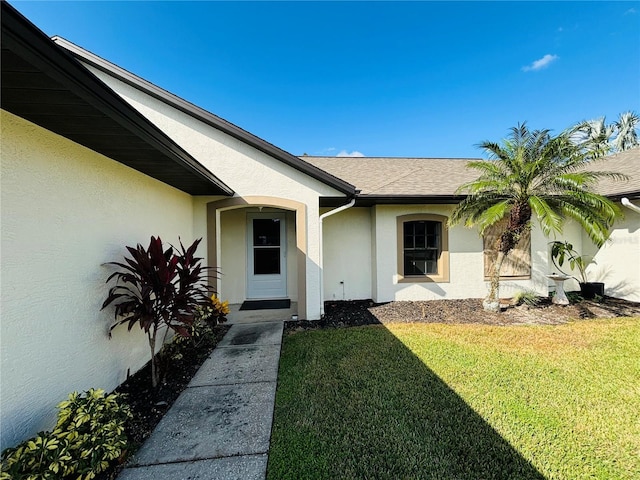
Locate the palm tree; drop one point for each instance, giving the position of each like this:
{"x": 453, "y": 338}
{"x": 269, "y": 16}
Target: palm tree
{"x": 595, "y": 135}
{"x": 615, "y": 137}
{"x": 533, "y": 172}
{"x": 626, "y": 137}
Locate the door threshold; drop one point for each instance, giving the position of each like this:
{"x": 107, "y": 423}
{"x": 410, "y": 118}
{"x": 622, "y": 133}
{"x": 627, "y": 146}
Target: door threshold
{"x": 264, "y": 304}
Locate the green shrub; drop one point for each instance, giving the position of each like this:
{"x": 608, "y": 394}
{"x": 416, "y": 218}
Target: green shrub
{"x": 526, "y": 297}
{"x": 198, "y": 331}
{"x": 576, "y": 297}
{"x": 205, "y": 318}
{"x": 213, "y": 313}
{"x": 88, "y": 437}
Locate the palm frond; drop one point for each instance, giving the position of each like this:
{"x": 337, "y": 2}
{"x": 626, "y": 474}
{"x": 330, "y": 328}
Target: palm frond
{"x": 627, "y": 136}
{"x": 549, "y": 173}
{"x": 490, "y": 216}
{"x": 472, "y": 207}
{"x": 548, "y": 214}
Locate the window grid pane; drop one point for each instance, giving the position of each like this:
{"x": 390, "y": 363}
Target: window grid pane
{"x": 266, "y": 232}
{"x": 266, "y": 261}
{"x": 421, "y": 247}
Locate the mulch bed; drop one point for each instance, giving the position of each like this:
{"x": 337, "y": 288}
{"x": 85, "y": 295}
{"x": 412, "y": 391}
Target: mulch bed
{"x": 149, "y": 405}
{"x": 366, "y": 312}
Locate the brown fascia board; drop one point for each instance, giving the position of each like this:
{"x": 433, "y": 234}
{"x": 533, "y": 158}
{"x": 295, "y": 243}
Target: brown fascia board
{"x": 408, "y": 199}
{"x": 23, "y": 37}
{"x": 205, "y": 117}
{"x": 370, "y": 200}
{"x": 367, "y": 200}
{"x": 633, "y": 195}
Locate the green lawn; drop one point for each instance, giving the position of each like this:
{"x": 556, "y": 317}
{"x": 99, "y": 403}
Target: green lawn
{"x": 460, "y": 402}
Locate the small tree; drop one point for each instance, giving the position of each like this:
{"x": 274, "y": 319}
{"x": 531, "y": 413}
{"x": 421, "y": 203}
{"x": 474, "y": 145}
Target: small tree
{"x": 533, "y": 172}
{"x": 157, "y": 289}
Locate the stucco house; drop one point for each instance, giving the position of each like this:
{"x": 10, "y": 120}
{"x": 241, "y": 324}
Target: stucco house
{"x": 95, "y": 158}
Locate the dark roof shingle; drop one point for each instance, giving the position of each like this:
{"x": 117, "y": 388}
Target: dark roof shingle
{"x": 411, "y": 178}
{"x": 398, "y": 176}
{"x": 627, "y": 163}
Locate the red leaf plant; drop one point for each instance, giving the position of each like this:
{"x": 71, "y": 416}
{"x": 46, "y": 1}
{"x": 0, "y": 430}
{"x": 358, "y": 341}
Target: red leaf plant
{"x": 158, "y": 289}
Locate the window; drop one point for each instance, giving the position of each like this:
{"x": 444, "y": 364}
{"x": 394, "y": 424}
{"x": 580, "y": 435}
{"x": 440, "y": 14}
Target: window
{"x": 423, "y": 254}
{"x": 421, "y": 247}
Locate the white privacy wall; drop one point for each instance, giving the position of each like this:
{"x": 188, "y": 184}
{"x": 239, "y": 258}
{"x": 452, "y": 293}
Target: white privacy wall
{"x": 246, "y": 170}
{"x": 571, "y": 232}
{"x": 618, "y": 261}
{"x": 65, "y": 211}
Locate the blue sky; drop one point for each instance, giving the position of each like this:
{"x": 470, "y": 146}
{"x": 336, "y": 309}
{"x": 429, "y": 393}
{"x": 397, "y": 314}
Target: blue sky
{"x": 416, "y": 79}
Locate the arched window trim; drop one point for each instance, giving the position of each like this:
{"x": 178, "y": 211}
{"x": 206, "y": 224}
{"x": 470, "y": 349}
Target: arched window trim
{"x": 442, "y": 276}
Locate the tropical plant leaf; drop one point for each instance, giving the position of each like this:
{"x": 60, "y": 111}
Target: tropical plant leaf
{"x": 157, "y": 288}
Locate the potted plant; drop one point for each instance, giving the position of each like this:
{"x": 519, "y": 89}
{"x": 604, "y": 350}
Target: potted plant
{"x": 563, "y": 251}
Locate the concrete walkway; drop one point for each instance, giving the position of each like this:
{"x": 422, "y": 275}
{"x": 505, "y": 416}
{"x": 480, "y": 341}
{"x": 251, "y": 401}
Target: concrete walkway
{"x": 220, "y": 426}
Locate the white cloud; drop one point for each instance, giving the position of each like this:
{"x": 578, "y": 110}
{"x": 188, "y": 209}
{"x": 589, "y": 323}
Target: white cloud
{"x": 631, "y": 11}
{"x": 541, "y": 63}
{"x": 325, "y": 151}
{"x": 355, "y": 153}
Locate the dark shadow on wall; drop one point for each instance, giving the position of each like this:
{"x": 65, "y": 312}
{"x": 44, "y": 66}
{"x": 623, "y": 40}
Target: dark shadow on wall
{"x": 362, "y": 405}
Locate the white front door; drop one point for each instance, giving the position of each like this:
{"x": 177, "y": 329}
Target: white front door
{"x": 267, "y": 256}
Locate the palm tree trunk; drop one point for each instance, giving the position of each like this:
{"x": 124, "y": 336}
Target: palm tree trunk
{"x": 492, "y": 301}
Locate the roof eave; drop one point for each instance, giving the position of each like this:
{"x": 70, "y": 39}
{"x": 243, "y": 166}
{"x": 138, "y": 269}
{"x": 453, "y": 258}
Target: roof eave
{"x": 632, "y": 195}
{"x": 26, "y": 40}
{"x": 205, "y": 117}
{"x": 364, "y": 200}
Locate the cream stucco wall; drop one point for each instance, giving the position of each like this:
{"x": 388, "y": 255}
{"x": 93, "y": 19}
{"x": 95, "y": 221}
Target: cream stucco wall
{"x": 347, "y": 255}
{"x": 465, "y": 261}
{"x": 66, "y": 210}
{"x": 572, "y": 233}
{"x": 618, "y": 260}
{"x": 200, "y": 224}
{"x": 248, "y": 171}
{"x": 233, "y": 261}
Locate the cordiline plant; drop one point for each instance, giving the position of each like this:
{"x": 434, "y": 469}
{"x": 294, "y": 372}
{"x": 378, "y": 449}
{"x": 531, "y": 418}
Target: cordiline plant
{"x": 158, "y": 289}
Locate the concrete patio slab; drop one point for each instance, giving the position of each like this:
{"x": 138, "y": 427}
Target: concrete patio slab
{"x": 268, "y": 333}
{"x": 239, "y": 364}
{"x": 253, "y": 467}
{"x": 210, "y": 422}
{"x": 220, "y": 426}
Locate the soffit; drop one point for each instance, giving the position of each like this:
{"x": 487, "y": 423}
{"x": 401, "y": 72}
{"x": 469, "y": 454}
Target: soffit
{"x": 45, "y": 85}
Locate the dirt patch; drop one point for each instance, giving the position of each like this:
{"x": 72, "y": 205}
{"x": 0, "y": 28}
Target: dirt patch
{"x": 366, "y": 312}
